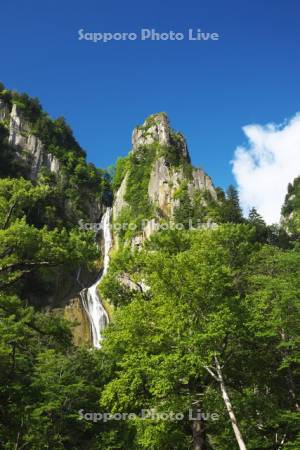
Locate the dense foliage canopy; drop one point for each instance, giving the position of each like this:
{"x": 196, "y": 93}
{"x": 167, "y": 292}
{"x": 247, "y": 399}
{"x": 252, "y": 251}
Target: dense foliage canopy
{"x": 205, "y": 322}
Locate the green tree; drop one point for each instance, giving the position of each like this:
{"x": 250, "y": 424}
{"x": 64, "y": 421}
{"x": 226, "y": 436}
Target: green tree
{"x": 39, "y": 376}
{"x": 184, "y": 213}
{"x": 166, "y": 342}
{"x": 119, "y": 172}
{"x": 255, "y": 219}
{"x": 273, "y": 300}
{"x": 231, "y": 210}
{"x": 291, "y": 209}
{"x": 46, "y": 382}
{"x": 10, "y": 166}
{"x": 25, "y": 248}
{"x": 207, "y": 336}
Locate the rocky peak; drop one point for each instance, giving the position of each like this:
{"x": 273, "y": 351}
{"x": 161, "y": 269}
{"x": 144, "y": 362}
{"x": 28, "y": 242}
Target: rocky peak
{"x": 159, "y": 168}
{"x": 156, "y": 128}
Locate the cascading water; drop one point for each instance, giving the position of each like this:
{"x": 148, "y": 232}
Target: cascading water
{"x": 90, "y": 299}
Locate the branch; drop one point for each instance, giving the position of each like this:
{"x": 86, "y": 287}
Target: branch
{"x": 31, "y": 267}
{"x": 15, "y": 280}
{"x": 8, "y": 216}
{"x": 7, "y": 252}
{"x": 24, "y": 266}
{"x": 212, "y": 373}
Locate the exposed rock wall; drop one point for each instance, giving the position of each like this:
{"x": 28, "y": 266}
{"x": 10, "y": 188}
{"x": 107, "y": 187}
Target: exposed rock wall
{"x": 4, "y": 111}
{"x": 163, "y": 184}
{"x": 201, "y": 182}
{"x": 119, "y": 200}
{"x": 36, "y": 155}
{"x": 32, "y": 149}
{"x": 165, "y": 181}
{"x": 75, "y": 312}
{"x": 155, "y": 128}
{"x": 165, "y": 178}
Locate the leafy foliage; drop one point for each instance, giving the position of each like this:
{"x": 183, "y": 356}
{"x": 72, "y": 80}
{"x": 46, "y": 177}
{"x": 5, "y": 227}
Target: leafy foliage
{"x": 9, "y": 165}
{"x": 203, "y": 303}
{"x": 45, "y": 381}
{"x": 138, "y": 168}
{"x": 189, "y": 303}
{"x": 291, "y": 208}
{"x": 121, "y": 168}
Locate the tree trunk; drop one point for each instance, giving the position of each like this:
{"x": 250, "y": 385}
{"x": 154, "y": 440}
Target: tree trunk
{"x": 289, "y": 376}
{"x": 238, "y": 435}
{"x": 199, "y": 434}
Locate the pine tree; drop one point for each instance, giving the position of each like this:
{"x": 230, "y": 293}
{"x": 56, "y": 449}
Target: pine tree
{"x": 232, "y": 211}
{"x": 184, "y": 213}
{"x": 255, "y": 219}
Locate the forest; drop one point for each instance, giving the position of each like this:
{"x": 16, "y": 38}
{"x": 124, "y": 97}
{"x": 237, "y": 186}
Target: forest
{"x": 202, "y": 348}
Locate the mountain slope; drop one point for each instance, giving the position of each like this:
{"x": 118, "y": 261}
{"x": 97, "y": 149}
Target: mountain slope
{"x": 62, "y": 189}
{"x": 156, "y": 180}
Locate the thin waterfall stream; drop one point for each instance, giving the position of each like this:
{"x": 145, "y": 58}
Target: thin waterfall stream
{"x": 91, "y": 301}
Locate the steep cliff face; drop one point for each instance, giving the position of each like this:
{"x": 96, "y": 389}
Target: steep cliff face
{"x": 157, "y": 179}
{"x": 165, "y": 182}
{"x": 4, "y": 111}
{"x": 44, "y": 145}
{"x": 48, "y": 154}
{"x": 28, "y": 146}
{"x": 119, "y": 199}
{"x": 163, "y": 156}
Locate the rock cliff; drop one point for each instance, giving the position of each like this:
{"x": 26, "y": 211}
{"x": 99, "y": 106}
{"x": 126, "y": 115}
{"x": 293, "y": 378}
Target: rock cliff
{"x": 156, "y": 172}
{"x": 170, "y": 169}
{"x": 28, "y": 146}
{"x": 32, "y": 137}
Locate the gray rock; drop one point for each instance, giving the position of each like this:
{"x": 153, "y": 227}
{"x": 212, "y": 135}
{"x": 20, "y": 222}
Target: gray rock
{"x": 165, "y": 179}
{"x": 119, "y": 201}
{"x": 33, "y": 150}
{"x": 4, "y": 111}
{"x": 162, "y": 186}
{"x": 155, "y": 129}
{"x": 201, "y": 182}
{"x": 126, "y": 281}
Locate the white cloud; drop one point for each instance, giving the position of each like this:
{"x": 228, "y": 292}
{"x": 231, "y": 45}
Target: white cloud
{"x": 264, "y": 167}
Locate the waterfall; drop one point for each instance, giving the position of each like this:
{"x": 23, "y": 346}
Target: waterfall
{"x": 97, "y": 315}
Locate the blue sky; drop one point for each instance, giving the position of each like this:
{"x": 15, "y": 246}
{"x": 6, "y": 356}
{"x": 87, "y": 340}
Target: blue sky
{"x": 209, "y": 89}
